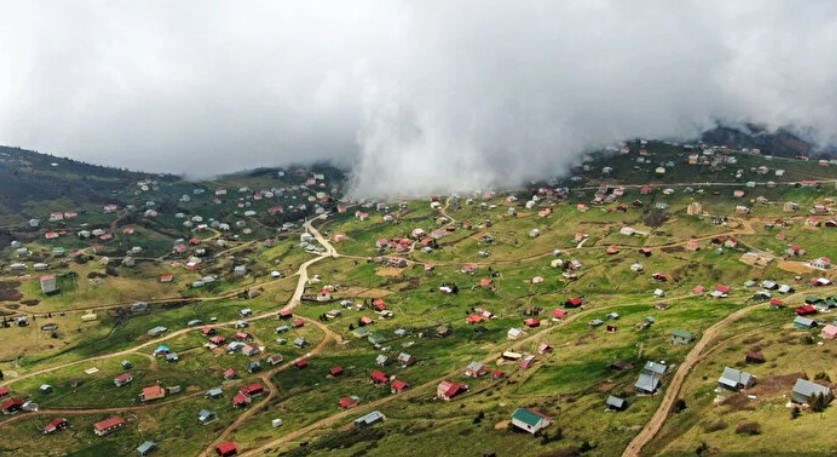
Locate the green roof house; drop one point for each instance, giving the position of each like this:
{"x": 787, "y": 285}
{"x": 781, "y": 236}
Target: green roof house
{"x": 679, "y": 336}
{"x": 376, "y": 338}
{"x": 530, "y": 421}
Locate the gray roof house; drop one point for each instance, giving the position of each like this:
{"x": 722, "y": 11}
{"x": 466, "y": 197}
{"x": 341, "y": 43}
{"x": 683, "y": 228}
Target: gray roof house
{"x": 300, "y": 342}
{"x": 802, "y": 322}
{"x": 803, "y": 390}
{"x": 217, "y": 392}
{"x": 616, "y": 403}
{"x": 647, "y": 383}
{"x": 654, "y": 368}
{"x": 733, "y": 379}
{"x": 206, "y": 416}
{"x": 369, "y": 419}
{"x": 146, "y": 448}
{"x": 405, "y": 359}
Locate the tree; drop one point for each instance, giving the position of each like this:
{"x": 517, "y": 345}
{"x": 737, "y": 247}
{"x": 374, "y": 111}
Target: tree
{"x": 679, "y": 405}
{"x": 818, "y": 403}
{"x": 795, "y": 412}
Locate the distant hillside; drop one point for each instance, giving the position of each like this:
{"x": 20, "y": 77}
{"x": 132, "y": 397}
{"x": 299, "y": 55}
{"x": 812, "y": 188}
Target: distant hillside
{"x": 32, "y": 183}
{"x": 779, "y": 143}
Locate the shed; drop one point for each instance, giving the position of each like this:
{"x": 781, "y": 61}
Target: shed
{"x": 679, "y": 336}
{"x": 616, "y": 403}
{"x": 146, "y": 448}
{"x": 369, "y": 419}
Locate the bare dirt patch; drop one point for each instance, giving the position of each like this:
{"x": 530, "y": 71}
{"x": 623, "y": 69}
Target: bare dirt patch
{"x": 795, "y": 267}
{"x": 774, "y": 385}
{"x": 9, "y": 292}
{"x": 361, "y": 292}
{"x": 672, "y": 249}
{"x": 388, "y": 271}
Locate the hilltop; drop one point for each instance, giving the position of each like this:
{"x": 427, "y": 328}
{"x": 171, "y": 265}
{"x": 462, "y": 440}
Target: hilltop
{"x": 32, "y": 183}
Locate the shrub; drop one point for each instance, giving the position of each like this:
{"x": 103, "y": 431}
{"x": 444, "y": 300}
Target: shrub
{"x": 715, "y": 426}
{"x": 749, "y": 428}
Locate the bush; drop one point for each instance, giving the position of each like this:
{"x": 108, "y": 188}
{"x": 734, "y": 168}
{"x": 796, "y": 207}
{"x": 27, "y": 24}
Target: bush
{"x": 715, "y": 426}
{"x": 749, "y": 428}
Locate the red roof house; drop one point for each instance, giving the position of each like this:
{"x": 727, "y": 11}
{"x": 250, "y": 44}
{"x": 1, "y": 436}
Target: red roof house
{"x": 532, "y": 322}
{"x": 240, "y": 400}
{"x": 379, "y": 377}
{"x": 226, "y": 449}
{"x": 108, "y": 425}
{"x": 55, "y": 425}
{"x": 574, "y": 302}
{"x": 335, "y": 371}
{"x": 12, "y": 406}
{"x": 252, "y": 389}
{"x": 474, "y": 319}
{"x": 347, "y": 402}
{"x": 153, "y": 393}
{"x": 399, "y": 386}
{"x": 805, "y": 310}
{"x": 447, "y": 390}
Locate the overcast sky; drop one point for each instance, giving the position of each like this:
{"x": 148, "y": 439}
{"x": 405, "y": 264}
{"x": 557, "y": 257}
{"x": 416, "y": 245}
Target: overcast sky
{"x": 417, "y": 96}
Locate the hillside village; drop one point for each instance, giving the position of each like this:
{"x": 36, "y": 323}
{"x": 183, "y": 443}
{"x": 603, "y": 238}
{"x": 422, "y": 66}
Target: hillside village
{"x": 661, "y": 299}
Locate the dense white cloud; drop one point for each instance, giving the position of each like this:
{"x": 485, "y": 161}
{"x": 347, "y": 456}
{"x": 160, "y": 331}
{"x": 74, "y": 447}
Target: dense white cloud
{"x": 416, "y": 96}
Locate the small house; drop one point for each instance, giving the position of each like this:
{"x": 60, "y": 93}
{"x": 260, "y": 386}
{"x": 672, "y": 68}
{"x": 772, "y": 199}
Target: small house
{"x": 515, "y": 333}
{"x": 804, "y": 390}
{"x": 348, "y": 402}
{"x": 123, "y": 379}
{"x": 226, "y": 449}
{"x": 398, "y": 386}
{"x": 529, "y": 420}
{"x": 379, "y": 377}
{"x": 735, "y": 380}
{"x": 616, "y": 403}
{"x": 206, "y": 416}
{"x": 679, "y": 336}
{"x": 405, "y": 359}
{"x": 154, "y": 392}
{"x": 804, "y": 323}
{"x": 109, "y": 425}
{"x": 215, "y": 393}
{"x": 301, "y": 342}
{"x": 369, "y": 419}
{"x": 55, "y": 425}
{"x": 146, "y": 448}
{"x": 475, "y": 370}
{"x": 647, "y": 383}
{"x": 446, "y": 390}
{"x": 829, "y": 332}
